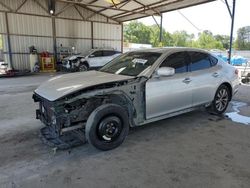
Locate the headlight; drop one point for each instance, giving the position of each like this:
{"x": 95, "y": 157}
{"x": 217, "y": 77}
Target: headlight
{"x": 53, "y": 120}
{"x": 43, "y": 109}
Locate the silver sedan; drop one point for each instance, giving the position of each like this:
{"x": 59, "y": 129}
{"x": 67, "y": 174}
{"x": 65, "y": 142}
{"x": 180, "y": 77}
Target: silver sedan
{"x": 134, "y": 89}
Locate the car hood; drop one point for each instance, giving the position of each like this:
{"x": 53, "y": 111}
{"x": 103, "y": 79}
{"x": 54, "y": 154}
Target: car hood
{"x": 72, "y": 57}
{"x": 62, "y": 85}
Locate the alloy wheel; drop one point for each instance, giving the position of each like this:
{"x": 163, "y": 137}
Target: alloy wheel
{"x": 221, "y": 100}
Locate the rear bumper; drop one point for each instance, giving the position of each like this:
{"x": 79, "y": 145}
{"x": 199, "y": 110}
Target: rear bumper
{"x": 235, "y": 86}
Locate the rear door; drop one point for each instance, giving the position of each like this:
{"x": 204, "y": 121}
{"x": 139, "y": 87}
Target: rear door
{"x": 170, "y": 94}
{"x": 205, "y": 77}
{"x": 108, "y": 56}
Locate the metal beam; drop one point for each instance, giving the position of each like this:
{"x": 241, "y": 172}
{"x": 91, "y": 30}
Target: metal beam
{"x": 145, "y": 6}
{"x": 161, "y": 29}
{"x": 124, "y": 3}
{"x": 99, "y": 11}
{"x": 6, "y": 6}
{"x": 122, "y": 38}
{"x": 8, "y": 41}
{"x": 228, "y": 8}
{"x": 84, "y": 7}
{"x": 92, "y": 35}
{"x": 54, "y": 37}
{"x": 100, "y": 6}
{"x": 21, "y": 5}
{"x": 64, "y": 8}
{"x": 159, "y": 26}
{"x": 232, "y": 30}
{"x": 79, "y": 12}
{"x": 180, "y": 7}
{"x": 141, "y": 9}
{"x": 156, "y": 22}
{"x": 41, "y": 6}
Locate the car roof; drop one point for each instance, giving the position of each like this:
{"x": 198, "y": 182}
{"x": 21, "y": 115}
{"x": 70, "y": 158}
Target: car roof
{"x": 97, "y": 49}
{"x": 164, "y": 50}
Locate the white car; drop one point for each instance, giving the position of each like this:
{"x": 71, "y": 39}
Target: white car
{"x": 93, "y": 59}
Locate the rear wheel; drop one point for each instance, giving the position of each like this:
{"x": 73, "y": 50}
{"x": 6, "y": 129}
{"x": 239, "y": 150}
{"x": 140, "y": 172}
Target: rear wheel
{"x": 107, "y": 127}
{"x": 221, "y": 100}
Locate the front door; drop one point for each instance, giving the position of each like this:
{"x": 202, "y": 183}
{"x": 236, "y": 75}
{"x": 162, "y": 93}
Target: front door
{"x": 170, "y": 94}
{"x": 96, "y": 59}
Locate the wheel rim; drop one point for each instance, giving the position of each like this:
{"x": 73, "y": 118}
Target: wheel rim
{"x": 83, "y": 68}
{"x": 221, "y": 100}
{"x": 110, "y": 128}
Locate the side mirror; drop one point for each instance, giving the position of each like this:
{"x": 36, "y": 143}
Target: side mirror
{"x": 91, "y": 55}
{"x": 165, "y": 71}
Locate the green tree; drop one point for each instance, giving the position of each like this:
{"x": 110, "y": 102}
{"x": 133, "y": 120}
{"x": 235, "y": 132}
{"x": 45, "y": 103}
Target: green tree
{"x": 224, "y": 39}
{"x": 206, "y": 40}
{"x": 136, "y": 32}
{"x": 243, "y": 38}
{"x": 182, "y": 38}
{"x": 155, "y": 37}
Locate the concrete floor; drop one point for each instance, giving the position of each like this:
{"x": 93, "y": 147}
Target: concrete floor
{"x": 191, "y": 150}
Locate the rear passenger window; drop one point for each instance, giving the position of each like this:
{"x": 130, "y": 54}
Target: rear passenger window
{"x": 108, "y": 53}
{"x": 200, "y": 61}
{"x": 178, "y": 61}
{"x": 213, "y": 60}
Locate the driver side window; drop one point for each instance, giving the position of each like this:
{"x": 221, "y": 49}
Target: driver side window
{"x": 178, "y": 61}
{"x": 97, "y": 54}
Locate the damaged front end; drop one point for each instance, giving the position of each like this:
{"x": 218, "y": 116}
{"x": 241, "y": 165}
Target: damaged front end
{"x": 65, "y": 121}
{"x": 66, "y": 117}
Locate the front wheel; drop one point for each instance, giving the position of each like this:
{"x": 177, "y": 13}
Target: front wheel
{"x": 107, "y": 127}
{"x": 83, "y": 67}
{"x": 221, "y": 100}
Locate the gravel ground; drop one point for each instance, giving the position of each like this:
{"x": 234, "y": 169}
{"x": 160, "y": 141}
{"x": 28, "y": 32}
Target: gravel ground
{"x": 192, "y": 150}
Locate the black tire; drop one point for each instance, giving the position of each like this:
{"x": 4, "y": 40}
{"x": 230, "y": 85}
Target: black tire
{"x": 83, "y": 67}
{"x": 107, "y": 127}
{"x": 221, "y": 100}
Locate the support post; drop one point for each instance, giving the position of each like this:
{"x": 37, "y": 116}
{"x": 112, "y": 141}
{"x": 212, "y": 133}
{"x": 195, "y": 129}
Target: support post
{"x": 92, "y": 35}
{"x": 9, "y": 42}
{"x": 231, "y": 35}
{"x": 122, "y": 38}
{"x": 54, "y": 37}
{"x": 161, "y": 28}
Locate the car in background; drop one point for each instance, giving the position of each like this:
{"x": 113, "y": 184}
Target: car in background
{"x": 3, "y": 68}
{"x": 133, "y": 89}
{"x": 93, "y": 59}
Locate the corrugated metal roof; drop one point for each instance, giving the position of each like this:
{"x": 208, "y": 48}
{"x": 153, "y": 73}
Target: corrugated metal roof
{"x": 126, "y": 10}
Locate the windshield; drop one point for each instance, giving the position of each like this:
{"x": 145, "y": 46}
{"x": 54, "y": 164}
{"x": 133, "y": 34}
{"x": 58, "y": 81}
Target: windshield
{"x": 131, "y": 64}
{"x": 88, "y": 52}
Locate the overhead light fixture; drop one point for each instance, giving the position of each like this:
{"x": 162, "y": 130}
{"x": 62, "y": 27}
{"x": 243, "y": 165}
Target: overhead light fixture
{"x": 51, "y": 6}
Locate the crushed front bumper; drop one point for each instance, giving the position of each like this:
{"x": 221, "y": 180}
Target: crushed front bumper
{"x": 52, "y": 134}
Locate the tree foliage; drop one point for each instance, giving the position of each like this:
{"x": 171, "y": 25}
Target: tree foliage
{"x": 243, "y": 38}
{"x": 182, "y": 38}
{"x": 137, "y": 32}
{"x": 224, "y": 39}
{"x": 206, "y": 40}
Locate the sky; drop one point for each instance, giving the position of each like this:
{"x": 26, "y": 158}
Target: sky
{"x": 213, "y": 16}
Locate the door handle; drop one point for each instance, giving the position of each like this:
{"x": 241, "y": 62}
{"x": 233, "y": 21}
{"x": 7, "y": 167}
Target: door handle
{"x": 187, "y": 80}
{"x": 215, "y": 74}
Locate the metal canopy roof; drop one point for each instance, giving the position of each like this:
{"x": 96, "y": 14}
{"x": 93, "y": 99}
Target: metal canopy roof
{"x": 126, "y": 10}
